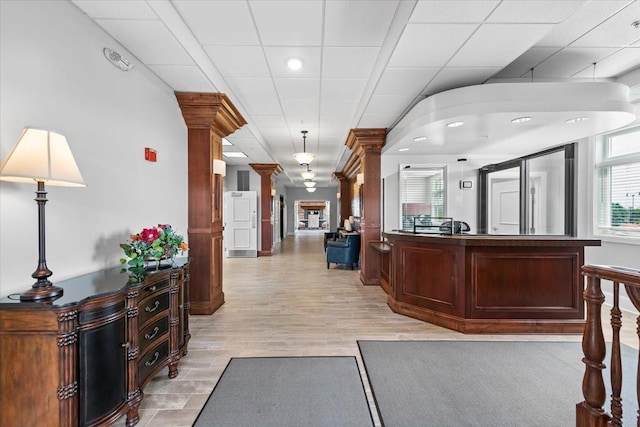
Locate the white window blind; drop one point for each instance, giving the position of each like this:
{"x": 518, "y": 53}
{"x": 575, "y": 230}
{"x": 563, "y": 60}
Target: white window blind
{"x": 422, "y": 194}
{"x": 618, "y": 184}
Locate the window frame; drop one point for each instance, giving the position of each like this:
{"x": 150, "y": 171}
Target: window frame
{"x": 402, "y": 168}
{"x": 603, "y": 160}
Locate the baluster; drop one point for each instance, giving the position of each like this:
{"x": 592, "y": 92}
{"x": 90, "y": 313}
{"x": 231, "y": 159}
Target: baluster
{"x": 616, "y": 361}
{"x": 634, "y": 295}
{"x": 590, "y": 412}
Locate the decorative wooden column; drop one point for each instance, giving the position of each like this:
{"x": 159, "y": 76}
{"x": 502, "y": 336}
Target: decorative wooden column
{"x": 367, "y": 145}
{"x": 345, "y": 196}
{"x": 266, "y": 171}
{"x": 209, "y": 118}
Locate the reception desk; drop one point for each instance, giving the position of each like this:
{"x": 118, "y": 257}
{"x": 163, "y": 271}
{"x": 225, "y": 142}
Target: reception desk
{"x": 488, "y": 283}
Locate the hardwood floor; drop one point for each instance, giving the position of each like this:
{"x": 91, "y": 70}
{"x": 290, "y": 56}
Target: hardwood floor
{"x": 289, "y": 304}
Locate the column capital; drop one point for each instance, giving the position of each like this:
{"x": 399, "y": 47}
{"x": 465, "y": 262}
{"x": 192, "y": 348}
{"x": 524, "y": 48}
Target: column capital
{"x": 341, "y": 176}
{"x": 366, "y": 140}
{"x": 212, "y": 111}
{"x": 266, "y": 169}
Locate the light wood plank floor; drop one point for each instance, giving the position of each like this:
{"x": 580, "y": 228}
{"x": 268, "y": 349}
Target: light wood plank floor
{"x": 291, "y": 305}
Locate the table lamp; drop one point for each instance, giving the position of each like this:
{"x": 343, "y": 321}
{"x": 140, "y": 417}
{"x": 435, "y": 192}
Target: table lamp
{"x": 44, "y": 157}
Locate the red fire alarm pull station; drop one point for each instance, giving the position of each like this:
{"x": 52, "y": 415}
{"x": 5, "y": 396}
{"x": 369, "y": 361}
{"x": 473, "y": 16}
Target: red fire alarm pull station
{"x": 150, "y": 154}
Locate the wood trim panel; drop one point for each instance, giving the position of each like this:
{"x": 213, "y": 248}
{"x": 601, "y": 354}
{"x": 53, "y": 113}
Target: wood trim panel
{"x": 267, "y": 171}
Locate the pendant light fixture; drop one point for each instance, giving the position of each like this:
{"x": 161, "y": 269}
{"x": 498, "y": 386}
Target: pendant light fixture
{"x": 308, "y": 174}
{"x": 309, "y": 183}
{"x": 304, "y": 158}
{"x": 311, "y": 189}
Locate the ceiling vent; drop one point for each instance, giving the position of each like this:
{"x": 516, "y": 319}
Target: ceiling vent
{"x": 117, "y": 60}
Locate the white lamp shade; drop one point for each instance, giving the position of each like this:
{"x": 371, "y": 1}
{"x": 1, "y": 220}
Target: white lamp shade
{"x": 41, "y": 155}
{"x": 219, "y": 167}
{"x": 338, "y": 196}
{"x": 308, "y": 174}
{"x": 360, "y": 179}
{"x": 304, "y": 158}
{"x": 309, "y": 183}
{"x": 311, "y": 189}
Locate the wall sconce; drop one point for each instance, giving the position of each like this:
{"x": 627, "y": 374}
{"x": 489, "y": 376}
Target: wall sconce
{"x": 360, "y": 179}
{"x": 338, "y": 196}
{"x": 219, "y": 167}
{"x": 44, "y": 157}
{"x": 273, "y": 192}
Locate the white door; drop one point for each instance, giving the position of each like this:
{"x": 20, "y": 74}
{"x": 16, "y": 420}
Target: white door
{"x": 504, "y": 216}
{"x": 240, "y": 224}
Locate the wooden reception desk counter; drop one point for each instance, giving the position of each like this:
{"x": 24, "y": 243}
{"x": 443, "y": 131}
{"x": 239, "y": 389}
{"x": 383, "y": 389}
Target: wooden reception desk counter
{"x": 487, "y": 283}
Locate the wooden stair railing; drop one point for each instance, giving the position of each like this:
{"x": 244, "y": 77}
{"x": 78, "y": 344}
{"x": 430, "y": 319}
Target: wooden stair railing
{"x": 590, "y": 412}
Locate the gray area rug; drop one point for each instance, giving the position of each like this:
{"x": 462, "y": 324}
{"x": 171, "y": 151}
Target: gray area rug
{"x": 480, "y": 383}
{"x": 288, "y": 391}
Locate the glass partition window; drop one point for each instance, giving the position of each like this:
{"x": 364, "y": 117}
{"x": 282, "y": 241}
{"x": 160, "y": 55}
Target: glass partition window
{"x": 422, "y": 194}
{"x": 530, "y": 195}
{"x": 617, "y": 198}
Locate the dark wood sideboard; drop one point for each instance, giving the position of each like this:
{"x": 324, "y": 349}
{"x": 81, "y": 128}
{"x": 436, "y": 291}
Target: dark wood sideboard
{"x": 488, "y": 283}
{"x": 84, "y": 359}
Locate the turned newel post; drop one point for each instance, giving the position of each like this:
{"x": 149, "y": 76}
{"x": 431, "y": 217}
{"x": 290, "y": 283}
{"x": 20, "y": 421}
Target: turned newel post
{"x": 590, "y": 413}
{"x": 209, "y": 118}
{"x": 345, "y": 196}
{"x": 267, "y": 172}
{"x": 367, "y": 145}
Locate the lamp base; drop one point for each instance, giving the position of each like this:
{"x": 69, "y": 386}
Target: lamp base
{"x": 38, "y": 293}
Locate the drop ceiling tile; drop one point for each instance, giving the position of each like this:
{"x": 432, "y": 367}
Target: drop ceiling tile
{"x": 262, "y": 106}
{"x": 540, "y": 11}
{"x": 338, "y": 108}
{"x": 270, "y": 121}
{"x": 497, "y": 45}
{"x": 616, "y": 31}
{"x": 238, "y": 61}
{"x": 614, "y": 65}
{"x": 429, "y": 45}
{"x": 276, "y": 133}
{"x": 148, "y": 40}
{"x": 184, "y": 78}
{"x": 204, "y": 20}
{"x": 451, "y": 78}
{"x": 253, "y": 88}
{"x": 116, "y": 9}
{"x": 277, "y": 58}
{"x": 336, "y": 122}
{"x": 288, "y": 23}
{"x": 383, "y": 104}
{"x": 297, "y": 111}
{"x": 342, "y": 89}
{"x": 348, "y": 62}
{"x": 404, "y": 81}
{"x": 523, "y": 64}
{"x": 377, "y": 120}
{"x": 571, "y": 60}
{"x": 298, "y": 88}
{"x": 587, "y": 17}
{"x": 447, "y": 11}
{"x": 357, "y": 23}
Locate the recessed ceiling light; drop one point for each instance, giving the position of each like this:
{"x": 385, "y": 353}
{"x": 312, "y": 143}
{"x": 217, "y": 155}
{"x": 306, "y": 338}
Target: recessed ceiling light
{"x": 521, "y": 119}
{"x": 403, "y": 149}
{"x": 454, "y": 124}
{"x": 294, "y": 64}
{"x": 576, "y": 120}
{"x": 234, "y": 154}
{"x": 419, "y": 138}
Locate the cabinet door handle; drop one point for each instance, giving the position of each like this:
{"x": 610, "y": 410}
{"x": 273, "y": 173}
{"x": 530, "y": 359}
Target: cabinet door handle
{"x": 155, "y": 359}
{"x": 125, "y": 345}
{"x": 151, "y": 336}
{"x": 152, "y": 288}
{"x": 148, "y": 308}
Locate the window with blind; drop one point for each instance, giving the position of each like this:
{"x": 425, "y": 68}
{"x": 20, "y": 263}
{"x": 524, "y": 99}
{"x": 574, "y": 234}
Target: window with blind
{"x": 617, "y": 180}
{"x": 422, "y": 194}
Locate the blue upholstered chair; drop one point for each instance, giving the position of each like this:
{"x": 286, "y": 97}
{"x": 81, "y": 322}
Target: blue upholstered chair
{"x": 344, "y": 251}
{"x": 329, "y": 236}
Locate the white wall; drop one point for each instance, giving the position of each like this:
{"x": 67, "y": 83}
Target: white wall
{"x": 53, "y": 75}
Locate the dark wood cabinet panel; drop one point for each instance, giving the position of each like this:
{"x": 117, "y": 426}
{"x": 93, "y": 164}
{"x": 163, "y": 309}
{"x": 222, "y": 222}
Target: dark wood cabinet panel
{"x": 83, "y": 359}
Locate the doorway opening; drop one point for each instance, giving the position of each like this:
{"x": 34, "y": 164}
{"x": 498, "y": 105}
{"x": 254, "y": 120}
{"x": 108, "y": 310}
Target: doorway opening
{"x": 312, "y": 215}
